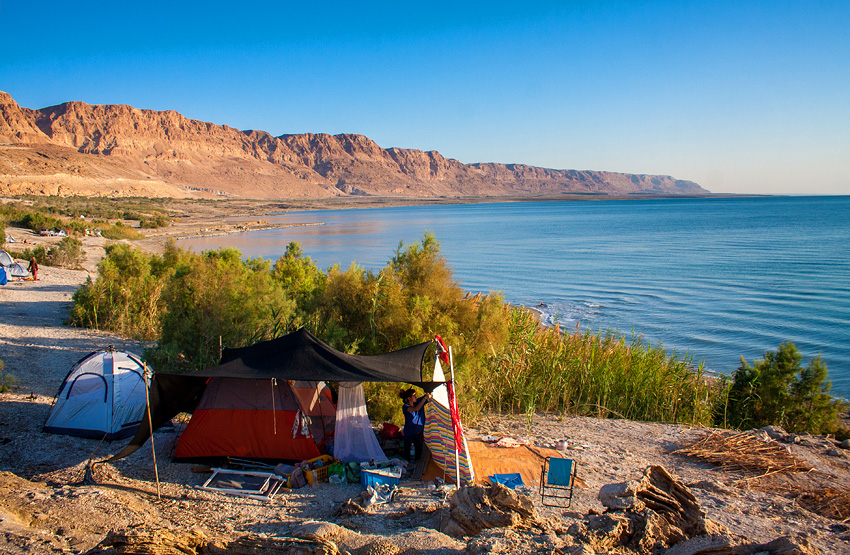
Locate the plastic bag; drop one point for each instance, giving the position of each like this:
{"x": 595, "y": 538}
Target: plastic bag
{"x": 352, "y": 472}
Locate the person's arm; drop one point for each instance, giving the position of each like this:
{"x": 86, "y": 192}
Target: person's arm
{"x": 419, "y": 404}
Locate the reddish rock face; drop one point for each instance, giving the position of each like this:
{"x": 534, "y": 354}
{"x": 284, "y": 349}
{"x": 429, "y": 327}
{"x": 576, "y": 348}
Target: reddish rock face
{"x": 118, "y": 149}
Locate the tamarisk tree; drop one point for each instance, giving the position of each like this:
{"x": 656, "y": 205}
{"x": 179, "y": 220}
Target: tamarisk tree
{"x": 779, "y": 390}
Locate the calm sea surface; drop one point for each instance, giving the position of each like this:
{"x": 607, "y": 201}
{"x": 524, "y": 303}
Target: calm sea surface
{"x": 716, "y": 278}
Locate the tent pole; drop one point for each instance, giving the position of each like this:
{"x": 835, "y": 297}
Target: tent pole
{"x": 454, "y": 433}
{"x": 150, "y": 425}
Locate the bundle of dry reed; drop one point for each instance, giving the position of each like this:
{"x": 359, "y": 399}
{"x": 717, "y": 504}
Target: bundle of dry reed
{"x": 745, "y": 452}
{"x": 829, "y": 502}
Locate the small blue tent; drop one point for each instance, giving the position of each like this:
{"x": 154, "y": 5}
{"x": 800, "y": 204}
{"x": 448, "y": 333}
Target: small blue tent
{"x": 102, "y": 397}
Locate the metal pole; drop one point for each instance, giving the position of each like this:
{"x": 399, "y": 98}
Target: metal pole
{"x": 454, "y": 433}
{"x": 150, "y": 425}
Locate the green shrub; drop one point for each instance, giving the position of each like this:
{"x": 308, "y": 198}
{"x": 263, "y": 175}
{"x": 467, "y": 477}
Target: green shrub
{"x": 152, "y": 223}
{"x": 778, "y": 390}
{"x": 120, "y": 231}
{"x": 77, "y": 226}
{"x": 68, "y": 253}
{"x": 7, "y": 381}
{"x": 38, "y": 252}
{"x": 126, "y": 296}
{"x": 36, "y": 221}
{"x": 215, "y": 300}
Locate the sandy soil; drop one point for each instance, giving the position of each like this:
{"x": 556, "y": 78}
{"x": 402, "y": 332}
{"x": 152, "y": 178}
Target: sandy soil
{"x": 45, "y": 508}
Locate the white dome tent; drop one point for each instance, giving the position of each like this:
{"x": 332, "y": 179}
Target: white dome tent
{"x": 102, "y": 397}
{"x": 13, "y": 269}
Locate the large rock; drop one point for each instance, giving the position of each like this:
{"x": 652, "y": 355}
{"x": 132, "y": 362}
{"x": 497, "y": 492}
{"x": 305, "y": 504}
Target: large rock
{"x": 655, "y": 511}
{"x": 476, "y": 508}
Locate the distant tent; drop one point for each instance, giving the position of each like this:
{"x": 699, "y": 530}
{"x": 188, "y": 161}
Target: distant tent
{"x": 102, "y": 397}
{"x": 17, "y": 271}
{"x": 245, "y": 407}
{"x": 13, "y": 269}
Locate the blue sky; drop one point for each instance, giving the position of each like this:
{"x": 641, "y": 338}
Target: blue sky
{"x": 741, "y": 97}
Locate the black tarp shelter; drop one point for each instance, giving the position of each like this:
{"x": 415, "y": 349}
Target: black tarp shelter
{"x": 296, "y": 356}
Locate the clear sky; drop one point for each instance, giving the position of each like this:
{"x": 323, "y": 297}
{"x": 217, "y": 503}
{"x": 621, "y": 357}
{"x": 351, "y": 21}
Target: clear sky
{"x": 739, "y": 96}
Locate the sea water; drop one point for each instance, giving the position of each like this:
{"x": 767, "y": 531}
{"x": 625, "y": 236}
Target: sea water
{"x": 716, "y": 278}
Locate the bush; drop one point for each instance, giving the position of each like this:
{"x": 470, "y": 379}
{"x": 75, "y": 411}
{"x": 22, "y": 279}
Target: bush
{"x": 36, "y": 221}
{"x": 77, "y": 226}
{"x": 217, "y": 300}
{"x": 7, "y": 381}
{"x": 39, "y": 253}
{"x": 126, "y": 296}
{"x": 120, "y": 231}
{"x": 778, "y": 390}
{"x": 68, "y": 253}
{"x": 152, "y": 223}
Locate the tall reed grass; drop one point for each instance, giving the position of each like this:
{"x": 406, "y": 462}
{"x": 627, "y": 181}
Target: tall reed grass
{"x": 585, "y": 373}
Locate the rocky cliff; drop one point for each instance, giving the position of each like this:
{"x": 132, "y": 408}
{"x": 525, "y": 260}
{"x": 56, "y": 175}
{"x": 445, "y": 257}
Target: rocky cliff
{"x": 77, "y": 148}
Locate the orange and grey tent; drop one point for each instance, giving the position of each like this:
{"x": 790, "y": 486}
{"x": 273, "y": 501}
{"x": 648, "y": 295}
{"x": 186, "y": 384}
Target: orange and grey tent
{"x": 246, "y": 408}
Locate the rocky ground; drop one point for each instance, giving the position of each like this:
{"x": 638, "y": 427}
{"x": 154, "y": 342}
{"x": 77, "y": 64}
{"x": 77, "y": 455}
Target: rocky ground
{"x": 47, "y": 506}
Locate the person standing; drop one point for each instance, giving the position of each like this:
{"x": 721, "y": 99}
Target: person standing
{"x": 414, "y": 422}
{"x": 33, "y": 269}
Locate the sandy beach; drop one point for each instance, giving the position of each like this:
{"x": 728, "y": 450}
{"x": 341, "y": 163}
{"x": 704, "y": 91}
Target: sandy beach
{"x": 45, "y": 508}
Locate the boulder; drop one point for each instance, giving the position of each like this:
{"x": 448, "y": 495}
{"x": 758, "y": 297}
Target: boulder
{"x": 476, "y": 508}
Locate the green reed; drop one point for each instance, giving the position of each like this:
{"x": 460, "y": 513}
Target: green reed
{"x": 594, "y": 374}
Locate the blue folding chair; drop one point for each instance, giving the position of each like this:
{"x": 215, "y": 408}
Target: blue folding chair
{"x": 556, "y": 481}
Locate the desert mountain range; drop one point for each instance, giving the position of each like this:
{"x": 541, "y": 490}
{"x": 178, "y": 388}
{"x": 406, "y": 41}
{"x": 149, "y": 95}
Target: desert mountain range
{"x": 117, "y": 150}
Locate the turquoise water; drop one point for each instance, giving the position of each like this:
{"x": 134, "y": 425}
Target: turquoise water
{"x": 716, "y": 278}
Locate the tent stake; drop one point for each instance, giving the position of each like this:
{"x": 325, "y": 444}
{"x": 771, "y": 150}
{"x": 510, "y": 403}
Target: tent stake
{"x": 150, "y": 425}
{"x": 454, "y": 432}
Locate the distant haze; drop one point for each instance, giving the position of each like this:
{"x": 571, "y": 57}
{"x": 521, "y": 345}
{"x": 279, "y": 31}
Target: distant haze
{"x": 739, "y": 97}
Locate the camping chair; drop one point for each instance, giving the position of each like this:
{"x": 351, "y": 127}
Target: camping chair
{"x": 556, "y": 481}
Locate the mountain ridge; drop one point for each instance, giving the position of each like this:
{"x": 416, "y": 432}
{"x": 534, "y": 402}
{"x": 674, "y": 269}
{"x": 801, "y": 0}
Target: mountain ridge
{"x": 119, "y": 150}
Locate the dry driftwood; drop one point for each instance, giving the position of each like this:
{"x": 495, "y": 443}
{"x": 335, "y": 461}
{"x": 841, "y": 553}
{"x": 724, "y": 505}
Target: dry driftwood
{"x": 195, "y": 542}
{"x": 253, "y": 545}
{"x": 156, "y": 542}
{"x": 658, "y": 512}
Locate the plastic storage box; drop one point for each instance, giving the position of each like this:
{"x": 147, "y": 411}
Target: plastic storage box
{"x": 377, "y": 476}
{"x": 319, "y": 474}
